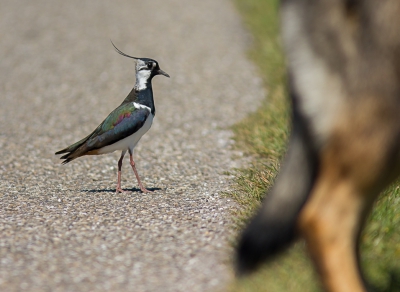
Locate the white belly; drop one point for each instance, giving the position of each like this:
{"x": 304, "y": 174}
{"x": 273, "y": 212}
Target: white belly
{"x": 130, "y": 141}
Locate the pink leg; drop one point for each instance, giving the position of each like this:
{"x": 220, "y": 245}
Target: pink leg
{"x": 119, "y": 189}
{"x": 142, "y": 188}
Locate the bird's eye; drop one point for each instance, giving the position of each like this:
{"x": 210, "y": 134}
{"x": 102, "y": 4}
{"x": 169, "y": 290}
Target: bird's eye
{"x": 150, "y": 65}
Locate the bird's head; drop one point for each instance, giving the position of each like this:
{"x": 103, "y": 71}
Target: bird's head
{"x": 146, "y": 69}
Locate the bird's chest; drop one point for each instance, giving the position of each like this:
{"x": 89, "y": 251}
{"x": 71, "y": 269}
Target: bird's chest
{"x": 143, "y": 130}
{"x": 131, "y": 141}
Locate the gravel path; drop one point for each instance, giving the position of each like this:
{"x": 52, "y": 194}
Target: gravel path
{"x": 63, "y": 228}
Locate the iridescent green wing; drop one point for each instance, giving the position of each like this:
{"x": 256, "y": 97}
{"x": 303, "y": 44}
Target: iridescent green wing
{"x": 124, "y": 121}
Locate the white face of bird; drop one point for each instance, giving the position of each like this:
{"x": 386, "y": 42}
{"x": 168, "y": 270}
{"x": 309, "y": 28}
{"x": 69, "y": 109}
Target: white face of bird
{"x": 143, "y": 72}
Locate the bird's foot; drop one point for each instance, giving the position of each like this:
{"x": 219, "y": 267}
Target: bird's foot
{"x": 119, "y": 190}
{"x": 144, "y": 190}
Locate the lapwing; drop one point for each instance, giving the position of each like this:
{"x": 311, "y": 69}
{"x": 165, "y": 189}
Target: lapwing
{"x": 125, "y": 125}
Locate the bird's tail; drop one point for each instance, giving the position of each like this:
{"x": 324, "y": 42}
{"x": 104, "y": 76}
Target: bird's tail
{"x": 273, "y": 227}
{"x": 73, "y": 151}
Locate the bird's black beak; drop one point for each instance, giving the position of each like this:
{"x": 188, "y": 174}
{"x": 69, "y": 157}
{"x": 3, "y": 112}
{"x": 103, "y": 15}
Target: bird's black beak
{"x": 161, "y": 72}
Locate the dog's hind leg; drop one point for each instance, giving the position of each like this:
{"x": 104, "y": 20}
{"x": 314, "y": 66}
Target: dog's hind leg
{"x": 355, "y": 164}
{"x": 330, "y": 223}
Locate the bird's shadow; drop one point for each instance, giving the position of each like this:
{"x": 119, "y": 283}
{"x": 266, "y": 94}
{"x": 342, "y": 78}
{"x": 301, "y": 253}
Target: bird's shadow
{"x": 132, "y": 190}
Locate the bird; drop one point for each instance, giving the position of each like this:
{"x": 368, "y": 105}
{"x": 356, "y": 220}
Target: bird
{"x": 125, "y": 125}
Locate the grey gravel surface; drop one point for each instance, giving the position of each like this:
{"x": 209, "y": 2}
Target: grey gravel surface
{"x": 63, "y": 228}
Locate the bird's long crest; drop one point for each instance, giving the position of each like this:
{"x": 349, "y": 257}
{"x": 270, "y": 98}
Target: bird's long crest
{"x": 122, "y": 53}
